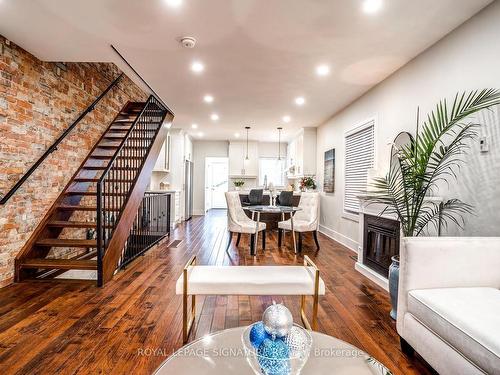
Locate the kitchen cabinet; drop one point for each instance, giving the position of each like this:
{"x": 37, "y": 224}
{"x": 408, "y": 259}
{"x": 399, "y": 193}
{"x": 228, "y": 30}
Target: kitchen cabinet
{"x": 238, "y": 166}
{"x": 301, "y": 154}
{"x": 163, "y": 162}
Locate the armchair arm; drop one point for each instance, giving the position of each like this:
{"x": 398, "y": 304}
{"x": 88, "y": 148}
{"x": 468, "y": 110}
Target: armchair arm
{"x": 446, "y": 262}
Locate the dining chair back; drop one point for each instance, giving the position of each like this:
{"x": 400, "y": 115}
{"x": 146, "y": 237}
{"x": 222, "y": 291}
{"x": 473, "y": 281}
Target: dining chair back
{"x": 255, "y": 197}
{"x": 304, "y": 220}
{"x": 239, "y": 222}
{"x": 285, "y": 198}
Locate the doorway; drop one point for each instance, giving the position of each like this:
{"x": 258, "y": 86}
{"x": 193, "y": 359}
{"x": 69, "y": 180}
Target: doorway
{"x": 216, "y": 182}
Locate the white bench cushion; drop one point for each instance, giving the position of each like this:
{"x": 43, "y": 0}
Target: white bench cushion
{"x": 250, "y": 280}
{"x": 466, "y": 318}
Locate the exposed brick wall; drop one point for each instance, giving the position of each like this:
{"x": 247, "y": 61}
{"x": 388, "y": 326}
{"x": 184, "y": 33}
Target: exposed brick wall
{"x": 37, "y": 102}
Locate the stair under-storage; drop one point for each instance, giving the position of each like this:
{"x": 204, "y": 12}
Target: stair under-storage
{"x": 88, "y": 224}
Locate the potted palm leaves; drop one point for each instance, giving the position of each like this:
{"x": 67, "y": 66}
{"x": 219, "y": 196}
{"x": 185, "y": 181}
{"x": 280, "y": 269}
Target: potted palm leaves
{"x": 426, "y": 164}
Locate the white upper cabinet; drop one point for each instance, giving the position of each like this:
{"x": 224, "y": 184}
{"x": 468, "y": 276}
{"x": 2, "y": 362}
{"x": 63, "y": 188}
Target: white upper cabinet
{"x": 302, "y": 154}
{"x": 238, "y": 166}
{"x": 163, "y": 162}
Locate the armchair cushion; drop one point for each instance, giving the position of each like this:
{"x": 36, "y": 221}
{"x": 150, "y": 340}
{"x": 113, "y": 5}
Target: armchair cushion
{"x": 467, "y": 318}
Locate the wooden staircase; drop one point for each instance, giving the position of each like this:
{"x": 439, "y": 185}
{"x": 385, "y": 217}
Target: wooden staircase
{"x": 91, "y": 215}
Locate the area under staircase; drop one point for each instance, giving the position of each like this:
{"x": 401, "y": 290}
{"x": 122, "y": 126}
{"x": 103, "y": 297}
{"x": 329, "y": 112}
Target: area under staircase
{"x": 92, "y": 217}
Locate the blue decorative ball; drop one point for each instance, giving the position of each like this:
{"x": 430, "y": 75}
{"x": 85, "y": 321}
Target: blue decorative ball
{"x": 273, "y": 357}
{"x": 258, "y": 334}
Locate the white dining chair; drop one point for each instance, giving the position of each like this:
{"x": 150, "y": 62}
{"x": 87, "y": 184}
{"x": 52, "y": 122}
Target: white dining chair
{"x": 304, "y": 220}
{"x": 239, "y": 222}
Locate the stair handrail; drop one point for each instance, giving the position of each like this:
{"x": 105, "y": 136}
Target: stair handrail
{"x": 53, "y": 147}
{"x": 105, "y": 230}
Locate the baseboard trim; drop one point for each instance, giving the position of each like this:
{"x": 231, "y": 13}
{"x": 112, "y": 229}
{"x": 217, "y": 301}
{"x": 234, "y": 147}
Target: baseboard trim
{"x": 199, "y": 212}
{"x": 340, "y": 238}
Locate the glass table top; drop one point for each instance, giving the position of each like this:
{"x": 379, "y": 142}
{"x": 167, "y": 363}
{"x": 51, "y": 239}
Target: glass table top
{"x": 271, "y": 209}
{"x": 222, "y": 353}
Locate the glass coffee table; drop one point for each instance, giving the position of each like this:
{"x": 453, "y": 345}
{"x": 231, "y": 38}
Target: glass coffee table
{"x": 257, "y": 210}
{"x": 222, "y": 353}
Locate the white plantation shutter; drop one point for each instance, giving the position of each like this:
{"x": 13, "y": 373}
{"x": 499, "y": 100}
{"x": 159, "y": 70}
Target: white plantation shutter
{"x": 359, "y": 158}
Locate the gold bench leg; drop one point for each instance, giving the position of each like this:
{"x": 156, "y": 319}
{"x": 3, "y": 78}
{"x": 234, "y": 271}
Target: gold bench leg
{"x": 305, "y": 321}
{"x": 303, "y": 314}
{"x": 187, "y": 323}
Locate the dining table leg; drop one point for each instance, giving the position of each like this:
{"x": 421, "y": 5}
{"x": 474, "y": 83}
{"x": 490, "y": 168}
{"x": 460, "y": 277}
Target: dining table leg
{"x": 293, "y": 233}
{"x": 256, "y": 234}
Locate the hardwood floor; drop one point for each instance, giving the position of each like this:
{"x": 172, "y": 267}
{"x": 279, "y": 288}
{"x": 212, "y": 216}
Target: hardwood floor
{"x": 73, "y": 327}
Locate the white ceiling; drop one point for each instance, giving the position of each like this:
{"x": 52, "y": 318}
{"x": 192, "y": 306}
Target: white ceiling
{"x": 258, "y": 54}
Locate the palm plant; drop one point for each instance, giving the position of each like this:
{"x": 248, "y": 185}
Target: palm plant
{"x": 430, "y": 160}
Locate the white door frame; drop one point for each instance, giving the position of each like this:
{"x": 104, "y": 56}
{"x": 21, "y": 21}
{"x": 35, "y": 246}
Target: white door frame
{"x": 208, "y": 177}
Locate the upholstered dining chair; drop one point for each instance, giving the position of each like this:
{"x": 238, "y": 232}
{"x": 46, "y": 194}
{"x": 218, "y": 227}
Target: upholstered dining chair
{"x": 239, "y": 222}
{"x": 255, "y": 197}
{"x": 285, "y": 198}
{"x": 304, "y": 220}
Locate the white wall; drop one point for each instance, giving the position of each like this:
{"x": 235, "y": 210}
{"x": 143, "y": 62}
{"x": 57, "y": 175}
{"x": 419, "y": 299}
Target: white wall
{"x": 201, "y": 150}
{"x": 468, "y": 58}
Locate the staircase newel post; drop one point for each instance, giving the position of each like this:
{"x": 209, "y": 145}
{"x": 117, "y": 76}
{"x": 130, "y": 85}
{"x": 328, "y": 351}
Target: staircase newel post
{"x": 99, "y": 227}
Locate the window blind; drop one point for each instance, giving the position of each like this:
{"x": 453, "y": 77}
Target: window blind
{"x": 359, "y": 158}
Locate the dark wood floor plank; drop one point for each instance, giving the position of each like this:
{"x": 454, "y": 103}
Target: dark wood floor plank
{"x": 76, "y": 328}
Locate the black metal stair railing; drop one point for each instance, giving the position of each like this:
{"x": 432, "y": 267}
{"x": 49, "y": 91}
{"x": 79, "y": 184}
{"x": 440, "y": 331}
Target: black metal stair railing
{"x": 116, "y": 183}
{"x": 53, "y": 147}
{"x": 151, "y": 225}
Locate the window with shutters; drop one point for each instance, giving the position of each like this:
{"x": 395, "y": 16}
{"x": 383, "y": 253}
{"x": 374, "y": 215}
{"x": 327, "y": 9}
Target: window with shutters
{"x": 359, "y": 158}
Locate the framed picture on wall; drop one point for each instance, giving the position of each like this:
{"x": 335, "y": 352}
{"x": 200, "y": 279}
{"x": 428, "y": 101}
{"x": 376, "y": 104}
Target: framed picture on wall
{"x": 329, "y": 173}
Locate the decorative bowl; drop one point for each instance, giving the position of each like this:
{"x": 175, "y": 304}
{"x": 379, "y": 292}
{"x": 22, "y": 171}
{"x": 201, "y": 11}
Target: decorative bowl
{"x": 298, "y": 342}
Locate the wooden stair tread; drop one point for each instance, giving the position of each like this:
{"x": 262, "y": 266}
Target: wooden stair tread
{"x": 92, "y": 193}
{"x": 84, "y": 208}
{"x": 101, "y": 168}
{"x": 96, "y": 179}
{"x": 123, "y": 120}
{"x": 72, "y": 224}
{"x": 63, "y": 242}
{"x": 108, "y": 146}
{"x": 66, "y": 264}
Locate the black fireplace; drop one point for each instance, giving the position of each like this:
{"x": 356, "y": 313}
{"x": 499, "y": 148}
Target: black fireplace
{"x": 381, "y": 242}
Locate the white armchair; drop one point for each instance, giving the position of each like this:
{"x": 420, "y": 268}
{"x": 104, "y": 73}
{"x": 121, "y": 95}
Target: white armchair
{"x": 239, "y": 222}
{"x": 449, "y": 303}
{"x": 304, "y": 220}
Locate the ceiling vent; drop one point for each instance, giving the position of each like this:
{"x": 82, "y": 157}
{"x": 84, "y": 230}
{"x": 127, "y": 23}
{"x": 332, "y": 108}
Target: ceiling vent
{"x": 188, "y": 42}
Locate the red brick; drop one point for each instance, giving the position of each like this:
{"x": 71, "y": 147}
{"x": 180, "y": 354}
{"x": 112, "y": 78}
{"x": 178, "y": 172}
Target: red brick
{"x": 40, "y": 106}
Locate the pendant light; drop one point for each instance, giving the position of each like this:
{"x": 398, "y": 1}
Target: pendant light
{"x": 279, "y": 142}
{"x": 247, "y": 128}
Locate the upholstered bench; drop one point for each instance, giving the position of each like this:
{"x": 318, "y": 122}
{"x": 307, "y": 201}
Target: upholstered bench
{"x": 251, "y": 281}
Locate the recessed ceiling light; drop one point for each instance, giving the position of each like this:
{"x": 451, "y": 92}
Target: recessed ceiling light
{"x": 287, "y": 118}
{"x": 214, "y": 116}
{"x": 208, "y": 98}
{"x": 322, "y": 70}
{"x": 237, "y": 135}
{"x": 197, "y": 67}
{"x": 200, "y": 134}
{"x": 194, "y": 126}
{"x": 174, "y": 3}
{"x": 300, "y": 100}
{"x": 372, "y": 6}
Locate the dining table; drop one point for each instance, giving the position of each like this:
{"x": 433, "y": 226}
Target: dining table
{"x": 256, "y": 211}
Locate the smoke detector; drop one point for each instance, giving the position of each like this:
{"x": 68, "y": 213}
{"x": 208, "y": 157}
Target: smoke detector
{"x": 188, "y": 42}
